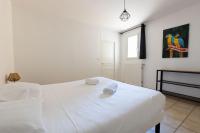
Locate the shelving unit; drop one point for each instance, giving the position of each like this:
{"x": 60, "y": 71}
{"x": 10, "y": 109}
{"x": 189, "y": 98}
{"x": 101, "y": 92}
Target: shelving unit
{"x": 160, "y": 82}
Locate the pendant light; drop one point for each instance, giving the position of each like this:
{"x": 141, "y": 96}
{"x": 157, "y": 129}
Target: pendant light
{"x": 125, "y": 15}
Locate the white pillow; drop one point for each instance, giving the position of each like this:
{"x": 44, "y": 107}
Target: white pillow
{"x": 10, "y": 93}
{"x": 24, "y": 116}
{"x": 34, "y": 90}
{"x": 18, "y": 91}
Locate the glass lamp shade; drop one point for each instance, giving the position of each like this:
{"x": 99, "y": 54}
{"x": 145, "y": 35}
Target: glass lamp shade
{"x": 13, "y": 77}
{"x": 125, "y": 16}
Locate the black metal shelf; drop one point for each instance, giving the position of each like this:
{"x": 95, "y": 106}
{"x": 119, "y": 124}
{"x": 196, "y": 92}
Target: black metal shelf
{"x": 180, "y": 71}
{"x": 160, "y": 81}
{"x": 181, "y": 95}
{"x": 180, "y": 84}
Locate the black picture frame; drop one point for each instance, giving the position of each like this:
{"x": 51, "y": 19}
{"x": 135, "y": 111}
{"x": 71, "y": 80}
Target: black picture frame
{"x": 176, "y": 42}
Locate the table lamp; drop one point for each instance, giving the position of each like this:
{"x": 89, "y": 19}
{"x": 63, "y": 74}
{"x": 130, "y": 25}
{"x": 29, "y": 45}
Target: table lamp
{"x": 13, "y": 77}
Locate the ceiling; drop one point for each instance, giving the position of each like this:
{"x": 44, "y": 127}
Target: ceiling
{"x": 105, "y": 13}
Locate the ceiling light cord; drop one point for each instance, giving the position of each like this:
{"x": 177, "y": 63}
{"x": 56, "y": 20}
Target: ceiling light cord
{"x": 124, "y": 4}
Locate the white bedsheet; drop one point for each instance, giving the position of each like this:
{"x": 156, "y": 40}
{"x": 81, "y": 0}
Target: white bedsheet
{"x": 75, "y": 107}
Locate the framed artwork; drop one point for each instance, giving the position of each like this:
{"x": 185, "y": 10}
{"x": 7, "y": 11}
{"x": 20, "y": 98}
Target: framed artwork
{"x": 176, "y": 42}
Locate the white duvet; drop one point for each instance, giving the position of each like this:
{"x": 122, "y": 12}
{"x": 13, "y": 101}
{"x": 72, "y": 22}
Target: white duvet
{"x": 75, "y": 107}
{"x": 21, "y": 108}
{"x": 21, "y": 116}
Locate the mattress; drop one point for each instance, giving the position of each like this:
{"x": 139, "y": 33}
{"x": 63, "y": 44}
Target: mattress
{"x": 75, "y": 107}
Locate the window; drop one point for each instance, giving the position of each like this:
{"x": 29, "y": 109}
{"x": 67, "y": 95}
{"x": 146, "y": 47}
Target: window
{"x": 133, "y": 47}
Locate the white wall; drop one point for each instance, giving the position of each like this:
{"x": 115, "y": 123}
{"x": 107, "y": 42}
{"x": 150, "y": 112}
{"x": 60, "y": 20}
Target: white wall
{"x": 6, "y": 40}
{"x": 50, "y": 49}
{"x": 154, "y": 35}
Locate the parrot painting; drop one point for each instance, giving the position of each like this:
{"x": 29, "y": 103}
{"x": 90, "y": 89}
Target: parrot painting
{"x": 170, "y": 42}
{"x": 175, "y": 41}
{"x": 178, "y": 41}
{"x": 170, "y": 39}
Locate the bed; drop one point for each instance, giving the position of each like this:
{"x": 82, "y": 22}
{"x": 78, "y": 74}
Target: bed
{"x": 75, "y": 107}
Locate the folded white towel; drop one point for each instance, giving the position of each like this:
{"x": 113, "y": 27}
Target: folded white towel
{"x": 111, "y": 89}
{"x": 92, "y": 81}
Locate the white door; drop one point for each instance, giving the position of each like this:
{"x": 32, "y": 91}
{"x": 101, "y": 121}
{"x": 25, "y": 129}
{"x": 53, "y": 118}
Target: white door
{"x": 131, "y": 66}
{"x": 108, "y": 59}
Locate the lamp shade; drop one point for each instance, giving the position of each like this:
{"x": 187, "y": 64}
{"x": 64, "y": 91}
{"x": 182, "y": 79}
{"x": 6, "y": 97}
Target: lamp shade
{"x": 13, "y": 77}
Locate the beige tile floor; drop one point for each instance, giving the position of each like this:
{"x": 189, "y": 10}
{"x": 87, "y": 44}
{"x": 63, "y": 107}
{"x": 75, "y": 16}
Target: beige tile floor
{"x": 181, "y": 116}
